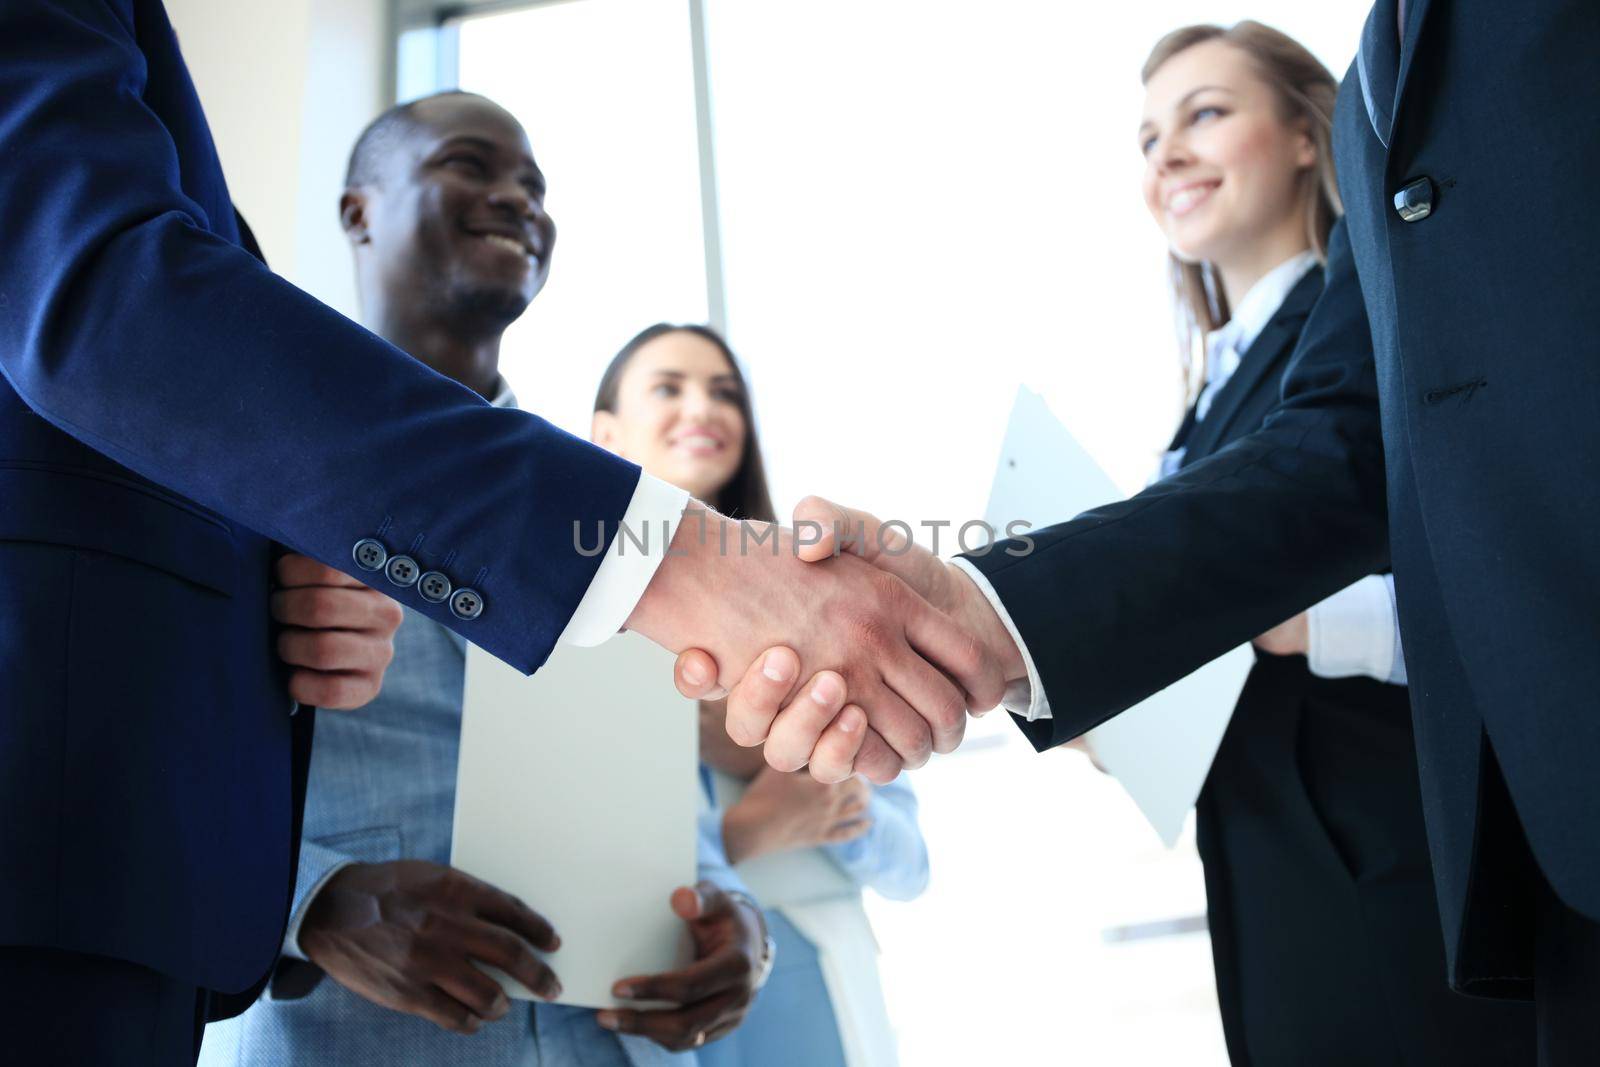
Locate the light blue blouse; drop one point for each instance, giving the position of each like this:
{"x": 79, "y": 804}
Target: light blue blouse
{"x": 792, "y": 1023}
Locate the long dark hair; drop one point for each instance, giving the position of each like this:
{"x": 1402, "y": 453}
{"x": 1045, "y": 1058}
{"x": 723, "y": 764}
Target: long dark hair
{"x": 745, "y": 496}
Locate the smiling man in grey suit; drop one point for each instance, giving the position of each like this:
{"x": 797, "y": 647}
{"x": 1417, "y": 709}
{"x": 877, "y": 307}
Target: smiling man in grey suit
{"x": 444, "y": 207}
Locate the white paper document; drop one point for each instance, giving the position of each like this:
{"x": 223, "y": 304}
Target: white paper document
{"x": 1161, "y": 748}
{"x": 577, "y": 790}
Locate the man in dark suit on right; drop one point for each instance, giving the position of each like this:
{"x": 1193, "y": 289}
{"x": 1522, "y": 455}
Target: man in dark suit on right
{"x": 1448, "y": 381}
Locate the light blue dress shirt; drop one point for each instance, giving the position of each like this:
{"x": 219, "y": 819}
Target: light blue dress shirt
{"x": 382, "y": 787}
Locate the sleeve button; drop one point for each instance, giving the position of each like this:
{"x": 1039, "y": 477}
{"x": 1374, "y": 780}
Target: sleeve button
{"x": 466, "y": 604}
{"x": 433, "y": 587}
{"x": 402, "y": 571}
{"x": 370, "y": 555}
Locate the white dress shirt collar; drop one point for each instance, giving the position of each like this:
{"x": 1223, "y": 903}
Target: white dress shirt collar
{"x": 503, "y": 396}
{"x": 1256, "y": 309}
{"x": 1227, "y": 344}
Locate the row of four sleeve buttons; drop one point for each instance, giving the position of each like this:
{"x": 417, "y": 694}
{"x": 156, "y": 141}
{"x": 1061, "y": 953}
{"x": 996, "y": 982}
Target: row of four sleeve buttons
{"x": 435, "y": 588}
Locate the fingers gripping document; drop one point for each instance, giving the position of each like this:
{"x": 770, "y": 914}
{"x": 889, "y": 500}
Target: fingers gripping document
{"x": 1161, "y": 748}
{"x": 577, "y": 791}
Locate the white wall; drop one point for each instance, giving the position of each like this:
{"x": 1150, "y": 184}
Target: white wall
{"x": 287, "y": 87}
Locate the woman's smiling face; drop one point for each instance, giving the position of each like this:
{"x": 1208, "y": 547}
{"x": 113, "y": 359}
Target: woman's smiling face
{"x": 678, "y": 414}
{"x": 1222, "y": 168}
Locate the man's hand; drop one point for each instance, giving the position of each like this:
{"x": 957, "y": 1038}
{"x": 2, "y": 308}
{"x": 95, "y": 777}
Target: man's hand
{"x": 717, "y": 749}
{"x": 910, "y": 666}
{"x": 338, "y": 634}
{"x": 846, "y": 745}
{"x": 714, "y": 992}
{"x": 781, "y": 812}
{"x": 404, "y": 935}
{"x": 941, "y": 583}
{"x": 1290, "y": 638}
{"x": 759, "y": 709}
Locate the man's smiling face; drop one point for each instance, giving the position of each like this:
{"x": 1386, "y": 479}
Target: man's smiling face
{"x": 455, "y": 218}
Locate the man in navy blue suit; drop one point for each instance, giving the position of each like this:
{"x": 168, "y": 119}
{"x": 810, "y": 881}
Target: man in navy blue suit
{"x": 170, "y": 414}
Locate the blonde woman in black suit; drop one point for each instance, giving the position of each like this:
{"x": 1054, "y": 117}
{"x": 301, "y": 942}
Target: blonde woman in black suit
{"x": 1324, "y": 925}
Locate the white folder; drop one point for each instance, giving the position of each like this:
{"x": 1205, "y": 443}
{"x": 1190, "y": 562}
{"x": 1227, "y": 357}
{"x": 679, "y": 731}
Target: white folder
{"x": 577, "y": 790}
{"x": 1161, "y": 748}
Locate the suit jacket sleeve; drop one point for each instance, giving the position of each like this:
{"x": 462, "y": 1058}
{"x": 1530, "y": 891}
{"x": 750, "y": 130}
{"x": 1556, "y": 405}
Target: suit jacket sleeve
{"x": 1124, "y": 600}
{"x": 127, "y": 323}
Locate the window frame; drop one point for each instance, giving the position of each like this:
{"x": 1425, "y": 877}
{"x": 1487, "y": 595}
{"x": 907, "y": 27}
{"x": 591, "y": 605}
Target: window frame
{"x": 425, "y": 50}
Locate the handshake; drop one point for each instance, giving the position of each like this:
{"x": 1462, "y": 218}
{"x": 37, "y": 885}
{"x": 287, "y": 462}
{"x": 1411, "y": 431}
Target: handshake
{"x": 893, "y": 644}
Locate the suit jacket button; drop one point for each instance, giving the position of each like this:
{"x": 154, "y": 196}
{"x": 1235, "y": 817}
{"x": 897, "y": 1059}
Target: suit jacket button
{"x": 402, "y": 571}
{"x": 433, "y": 587}
{"x": 1414, "y": 201}
{"x": 370, "y": 555}
{"x": 466, "y": 604}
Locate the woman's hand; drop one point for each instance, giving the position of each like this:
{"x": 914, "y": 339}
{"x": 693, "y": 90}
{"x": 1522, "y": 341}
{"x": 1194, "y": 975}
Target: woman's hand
{"x": 714, "y": 992}
{"x": 1291, "y": 638}
{"x": 338, "y": 635}
{"x": 783, "y": 811}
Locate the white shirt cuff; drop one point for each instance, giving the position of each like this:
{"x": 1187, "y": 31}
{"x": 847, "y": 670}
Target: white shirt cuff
{"x": 291, "y": 935}
{"x": 1024, "y": 697}
{"x": 637, "y": 548}
{"x": 1353, "y": 632}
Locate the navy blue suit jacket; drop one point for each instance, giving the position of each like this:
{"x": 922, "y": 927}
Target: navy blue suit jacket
{"x": 1443, "y": 401}
{"x": 169, "y": 409}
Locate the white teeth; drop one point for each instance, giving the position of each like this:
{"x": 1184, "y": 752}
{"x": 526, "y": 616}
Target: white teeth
{"x": 1184, "y": 199}
{"x": 509, "y": 244}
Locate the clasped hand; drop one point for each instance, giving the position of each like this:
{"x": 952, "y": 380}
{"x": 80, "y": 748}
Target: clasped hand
{"x": 895, "y": 644}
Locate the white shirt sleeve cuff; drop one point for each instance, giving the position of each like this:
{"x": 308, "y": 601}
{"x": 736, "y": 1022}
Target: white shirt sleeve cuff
{"x": 636, "y": 550}
{"x": 291, "y": 935}
{"x": 1353, "y": 632}
{"x": 1023, "y": 697}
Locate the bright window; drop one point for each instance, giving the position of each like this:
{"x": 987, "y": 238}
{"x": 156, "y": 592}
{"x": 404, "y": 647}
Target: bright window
{"x": 921, "y": 206}
{"x": 605, "y": 91}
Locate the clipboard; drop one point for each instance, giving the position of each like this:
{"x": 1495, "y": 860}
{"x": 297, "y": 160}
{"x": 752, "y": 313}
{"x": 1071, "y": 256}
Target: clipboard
{"x": 1160, "y": 749}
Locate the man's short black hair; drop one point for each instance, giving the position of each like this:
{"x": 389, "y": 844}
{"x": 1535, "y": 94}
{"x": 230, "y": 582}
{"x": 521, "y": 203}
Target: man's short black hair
{"x": 382, "y": 134}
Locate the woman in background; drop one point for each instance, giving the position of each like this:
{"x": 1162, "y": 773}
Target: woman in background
{"x": 674, "y": 401}
{"x": 1324, "y": 924}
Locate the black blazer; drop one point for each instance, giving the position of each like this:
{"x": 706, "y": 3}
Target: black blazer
{"x": 1472, "y": 326}
{"x": 1310, "y": 825}
{"x": 1248, "y": 397}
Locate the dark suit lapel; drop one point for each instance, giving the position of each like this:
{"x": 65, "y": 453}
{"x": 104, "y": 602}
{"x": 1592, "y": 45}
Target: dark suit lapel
{"x": 1416, "y": 11}
{"x": 1378, "y": 63}
{"x": 1185, "y": 428}
{"x": 1266, "y": 355}
{"x": 247, "y": 237}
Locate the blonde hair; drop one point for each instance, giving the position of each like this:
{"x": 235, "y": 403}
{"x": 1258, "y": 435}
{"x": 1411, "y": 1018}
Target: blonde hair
{"x": 1306, "y": 92}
